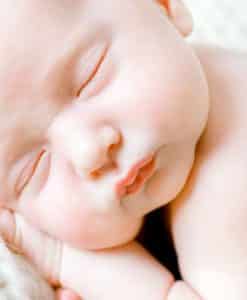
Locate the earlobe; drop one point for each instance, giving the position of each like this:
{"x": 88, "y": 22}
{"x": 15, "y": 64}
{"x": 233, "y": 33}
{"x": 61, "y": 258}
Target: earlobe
{"x": 179, "y": 15}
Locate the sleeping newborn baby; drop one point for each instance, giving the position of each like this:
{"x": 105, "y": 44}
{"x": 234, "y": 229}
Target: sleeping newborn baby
{"x": 101, "y": 110}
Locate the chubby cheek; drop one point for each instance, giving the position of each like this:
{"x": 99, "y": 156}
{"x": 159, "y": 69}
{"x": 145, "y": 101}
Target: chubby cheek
{"x": 80, "y": 227}
{"x": 161, "y": 107}
{"x": 176, "y": 164}
{"x": 55, "y": 216}
{"x": 61, "y": 210}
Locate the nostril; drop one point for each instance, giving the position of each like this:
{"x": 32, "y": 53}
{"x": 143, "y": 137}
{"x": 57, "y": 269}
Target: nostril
{"x": 106, "y": 168}
{"x": 109, "y": 164}
{"x": 113, "y": 149}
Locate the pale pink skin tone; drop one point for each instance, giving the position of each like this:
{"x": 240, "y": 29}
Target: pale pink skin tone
{"x": 209, "y": 219}
{"x": 148, "y": 98}
{"x": 149, "y": 92}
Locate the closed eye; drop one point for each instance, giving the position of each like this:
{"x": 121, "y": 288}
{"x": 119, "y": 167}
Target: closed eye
{"x": 95, "y": 71}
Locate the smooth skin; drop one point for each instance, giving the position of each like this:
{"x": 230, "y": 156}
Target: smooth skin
{"x": 147, "y": 70}
{"x": 209, "y": 219}
{"x": 89, "y": 93}
{"x": 125, "y": 272}
{"x": 65, "y": 294}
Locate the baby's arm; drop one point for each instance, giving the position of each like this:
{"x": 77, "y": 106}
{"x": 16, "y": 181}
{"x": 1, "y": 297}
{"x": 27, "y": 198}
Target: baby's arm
{"x": 127, "y": 272}
{"x": 209, "y": 219}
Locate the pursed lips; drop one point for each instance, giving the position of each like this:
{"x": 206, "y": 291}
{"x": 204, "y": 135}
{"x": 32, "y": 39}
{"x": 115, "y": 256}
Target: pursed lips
{"x": 136, "y": 177}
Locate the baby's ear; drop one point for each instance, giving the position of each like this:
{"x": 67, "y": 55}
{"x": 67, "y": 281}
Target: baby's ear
{"x": 179, "y": 15}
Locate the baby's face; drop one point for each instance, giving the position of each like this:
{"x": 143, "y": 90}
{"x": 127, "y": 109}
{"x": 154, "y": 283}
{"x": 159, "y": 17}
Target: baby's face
{"x": 101, "y": 107}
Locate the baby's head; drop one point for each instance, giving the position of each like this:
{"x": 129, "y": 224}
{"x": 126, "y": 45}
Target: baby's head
{"x": 101, "y": 106}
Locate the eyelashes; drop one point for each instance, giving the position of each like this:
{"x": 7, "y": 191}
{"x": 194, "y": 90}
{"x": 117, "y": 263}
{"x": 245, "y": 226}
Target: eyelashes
{"x": 28, "y": 171}
{"x": 99, "y": 59}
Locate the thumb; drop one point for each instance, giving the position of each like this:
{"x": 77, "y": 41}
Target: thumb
{"x": 41, "y": 250}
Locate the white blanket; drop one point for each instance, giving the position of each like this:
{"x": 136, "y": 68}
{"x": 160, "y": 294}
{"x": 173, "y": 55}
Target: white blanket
{"x": 222, "y": 22}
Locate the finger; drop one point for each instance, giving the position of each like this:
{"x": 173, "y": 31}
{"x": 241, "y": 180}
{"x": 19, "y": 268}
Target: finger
{"x": 65, "y": 294}
{"x": 41, "y": 250}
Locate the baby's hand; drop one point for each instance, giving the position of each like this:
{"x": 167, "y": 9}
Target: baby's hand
{"x": 18, "y": 280}
{"x": 128, "y": 272}
{"x": 17, "y": 267}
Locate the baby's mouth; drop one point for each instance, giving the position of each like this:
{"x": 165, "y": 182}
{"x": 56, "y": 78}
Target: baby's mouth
{"x": 136, "y": 177}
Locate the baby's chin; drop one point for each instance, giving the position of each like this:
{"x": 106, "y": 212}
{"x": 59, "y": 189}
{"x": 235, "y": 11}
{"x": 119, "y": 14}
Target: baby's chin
{"x": 110, "y": 235}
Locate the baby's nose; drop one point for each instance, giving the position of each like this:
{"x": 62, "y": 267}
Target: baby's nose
{"x": 99, "y": 152}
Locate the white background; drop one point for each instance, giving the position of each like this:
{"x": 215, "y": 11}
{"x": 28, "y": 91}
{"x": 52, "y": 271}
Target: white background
{"x": 222, "y": 22}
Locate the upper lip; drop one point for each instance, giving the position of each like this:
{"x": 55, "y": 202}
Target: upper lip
{"x": 137, "y": 175}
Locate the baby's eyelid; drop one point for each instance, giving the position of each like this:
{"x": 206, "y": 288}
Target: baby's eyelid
{"x": 90, "y": 65}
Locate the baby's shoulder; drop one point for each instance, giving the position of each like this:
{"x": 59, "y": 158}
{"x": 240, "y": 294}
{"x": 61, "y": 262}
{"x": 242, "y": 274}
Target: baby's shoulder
{"x": 223, "y": 65}
{"x": 226, "y": 72}
{"x": 220, "y": 168}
